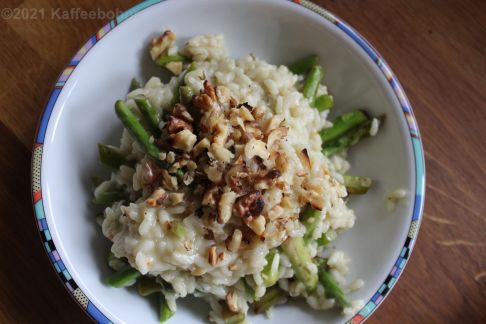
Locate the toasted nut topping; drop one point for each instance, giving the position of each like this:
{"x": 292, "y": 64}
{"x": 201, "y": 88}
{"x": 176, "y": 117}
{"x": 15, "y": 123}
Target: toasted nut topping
{"x": 304, "y": 157}
{"x": 221, "y": 133}
{"x": 245, "y": 114}
{"x": 221, "y": 256}
{"x": 176, "y": 197}
{"x": 209, "y": 90}
{"x": 257, "y": 225}
{"x": 188, "y": 245}
{"x": 233, "y": 243}
{"x": 251, "y": 204}
{"x": 212, "y": 256}
{"x": 161, "y": 44}
{"x": 210, "y": 197}
{"x": 202, "y": 101}
{"x": 175, "y": 125}
{"x": 169, "y": 182}
{"x": 276, "y": 135}
{"x": 221, "y": 153}
{"x": 180, "y": 111}
{"x": 225, "y": 206}
{"x": 232, "y": 267}
{"x": 256, "y": 148}
{"x": 157, "y": 198}
{"x": 232, "y": 301}
{"x": 232, "y": 102}
{"x": 272, "y": 123}
{"x": 200, "y": 147}
{"x": 213, "y": 173}
{"x": 183, "y": 140}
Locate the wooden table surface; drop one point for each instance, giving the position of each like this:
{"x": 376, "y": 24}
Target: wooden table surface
{"x": 436, "y": 48}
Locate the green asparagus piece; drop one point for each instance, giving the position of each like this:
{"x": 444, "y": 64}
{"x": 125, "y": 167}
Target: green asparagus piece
{"x": 149, "y": 113}
{"x": 107, "y": 198}
{"x": 356, "y": 185}
{"x": 332, "y": 289}
{"x": 147, "y": 286}
{"x": 123, "y": 278}
{"x": 164, "y": 311}
{"x": 112, "y": 157}
{"x": 310, "y": 217}
{"x": 350, "y": 138}
{"x": 162, "y": 60}
{"x": 178, "y": 229}
{"x": 327, "y": 238}
{"x": 134, "y": 84}
{"x": 343, "y": 124}
{"x": 177, "y": 95}
{"x": 229, "y": 317}
{"x": 304, "y": 65}
{"x": 250, "y": 292}
{"x": 272, "y": 296}
{"x": 186, "y": 94}
{"x": 131, "y": 122}
{"x": 270, "y": 276}
{"x": 294, "y": 248}
{"x": 312, "y": 82}
{"x": 114, "y": 262}
{"x": 323, "y": 102}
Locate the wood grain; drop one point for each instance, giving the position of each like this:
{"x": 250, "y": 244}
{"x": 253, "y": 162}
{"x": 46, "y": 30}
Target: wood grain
{"x": 436, "y": 48}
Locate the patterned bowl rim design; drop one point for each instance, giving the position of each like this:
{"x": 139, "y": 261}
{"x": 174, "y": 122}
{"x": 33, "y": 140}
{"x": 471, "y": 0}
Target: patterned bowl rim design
{"x": 88, "y": 306}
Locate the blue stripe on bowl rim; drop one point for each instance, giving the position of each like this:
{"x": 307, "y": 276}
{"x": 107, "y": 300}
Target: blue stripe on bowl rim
{"x": 415, "y": 219}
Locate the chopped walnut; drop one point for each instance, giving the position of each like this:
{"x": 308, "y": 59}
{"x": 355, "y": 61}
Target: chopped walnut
{"x": 183, "y": 140}
{"x": 276, "y": 135}
{"x": 176, "y": 197}
{"x": 223, "y": 94}
{"x": 202, "y": 101}
{"x": 200, "y": 147}
{"x": 157, "y": 198}
{"x": 175, "y": 125}
{"x": 256, "y": 148}
{"x": 210, "y": 196}
{"x": 213, "y": 173}
{"x": 220, "y": 153}
{"x": 161, "y": 44}
{"x": 251, "y": 204}
{"x": 169, "y": 182}
{"x": 180, "y": 111}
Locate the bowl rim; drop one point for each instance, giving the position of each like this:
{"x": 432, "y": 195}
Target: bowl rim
{"x": 43, "y": 227}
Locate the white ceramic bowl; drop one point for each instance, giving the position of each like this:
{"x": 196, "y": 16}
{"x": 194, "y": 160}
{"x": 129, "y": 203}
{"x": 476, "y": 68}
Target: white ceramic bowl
{"x": 80, "y": 114}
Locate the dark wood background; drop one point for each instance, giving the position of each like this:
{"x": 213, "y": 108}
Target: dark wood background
{"x": 436, "y": 48}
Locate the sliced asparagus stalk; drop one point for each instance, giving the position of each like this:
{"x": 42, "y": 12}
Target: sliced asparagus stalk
{"x": 310, "y": 217}
{"x": 300, "y": 259}
{"x": 134, "y": 84}
{"x": 312, "y": 82}
{"x": 149, "y": 113}
{"x": 124, "y": 277}
{"x": 356, "y": 185}
{"x": 272, "y": 296}
{"x": 164, "y": 311}
{"x": 147, "y": 286}
{"x": 304, "y": 65}
{"x": 112, "y": 157}
{"x": 343, "y": 124}
{"x": 114, "y": 262}
{"x": 131, "y": 122}
{"x": 332, "y": 289}
{"x": 270, "y": 272}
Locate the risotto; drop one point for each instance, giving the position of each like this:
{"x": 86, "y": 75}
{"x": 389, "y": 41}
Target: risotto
{"x": 221, "y": 186}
